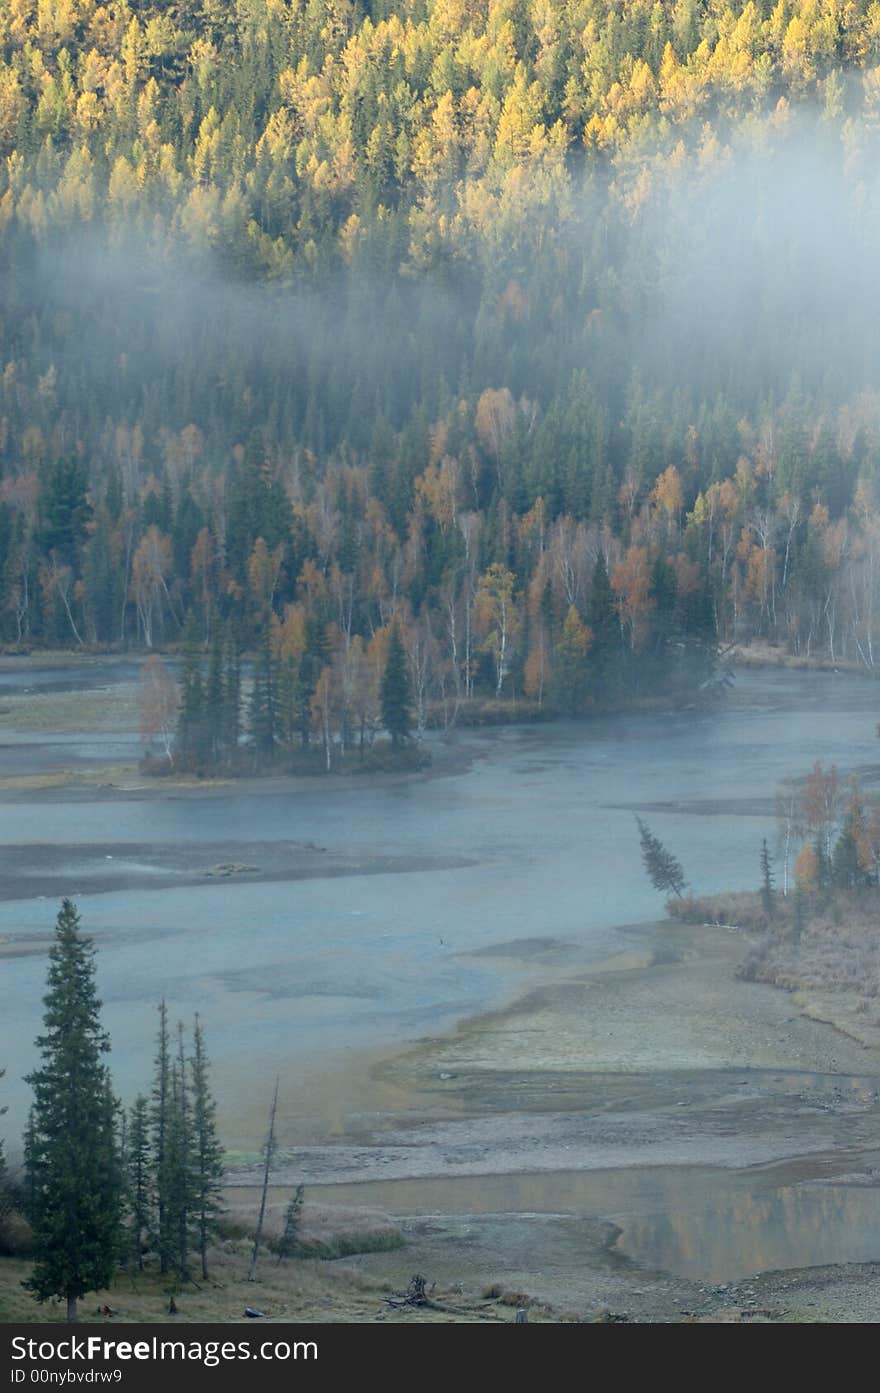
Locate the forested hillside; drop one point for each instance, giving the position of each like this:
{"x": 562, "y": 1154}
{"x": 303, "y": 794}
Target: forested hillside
{"x": 548, "y": 330}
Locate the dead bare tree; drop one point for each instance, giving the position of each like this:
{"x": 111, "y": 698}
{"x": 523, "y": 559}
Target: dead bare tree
{"x": 268, "y": 1150}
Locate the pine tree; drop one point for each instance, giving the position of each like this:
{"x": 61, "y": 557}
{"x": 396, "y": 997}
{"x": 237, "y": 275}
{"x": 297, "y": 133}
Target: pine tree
{"x": 191, "y": 724}
{"x": 161, "y": 1111}
{"x": 664, "y": 871}
{"x": 396, "y": 696}
{"x": 292, "y": 1218}
{"x": 847, "y": 870}
{"x": 767, "y": 887}
{"x": 311, "y": 665}
{"x": 231, "y": 694}
{"x": 138, "y": 1164}
{"x": 179, "y": 1162}
{"x": 264, "y": 700}
{"x": 207, "y": 1152}
{"x": 605, "y": 627}
{"x": 214, "y": 699}
{"x": 73, "y": 1152}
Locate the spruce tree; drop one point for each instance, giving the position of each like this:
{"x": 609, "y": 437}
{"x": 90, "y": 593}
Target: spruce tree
{"x": 664, "y": 871}
{"x": 214, "y": 699}
{"x": 396, "y": 696}
{"x": 311, "y": 663}
{"x": 179, "y": 1164}
{"x": 207, "y": 1158}
{"x": 73, "y": 1151}
{"x": 138, "y": 1165}
{"x": 847, "y": 870}
{"x": 264, "y": 700}
{"x": 161, "y": 1111}
{"x": 605, "y": 626}
{"x": 191, "y": 724}
{"x": 292, "y": 1218}
{"x": 231, "y": 694}
{"x": 767, "y": 887}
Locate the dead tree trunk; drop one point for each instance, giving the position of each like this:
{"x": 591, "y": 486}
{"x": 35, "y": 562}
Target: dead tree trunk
{"x": 270, "y": 1147}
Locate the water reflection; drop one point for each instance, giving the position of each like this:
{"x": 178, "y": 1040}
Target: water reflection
{"x": 698, "y": 1223}
{"x": 740, "y": 1235}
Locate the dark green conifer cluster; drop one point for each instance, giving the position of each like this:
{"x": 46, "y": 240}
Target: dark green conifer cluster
{"x": 102, "y": 1189}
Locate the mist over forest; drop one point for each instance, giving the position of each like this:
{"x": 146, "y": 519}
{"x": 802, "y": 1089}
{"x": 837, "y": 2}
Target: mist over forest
{"x": 481, "y": 320}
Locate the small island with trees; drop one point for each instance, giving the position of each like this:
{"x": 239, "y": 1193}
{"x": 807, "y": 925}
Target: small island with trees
{"x": 200, "y": 728}
{"x": 812, "y": 922}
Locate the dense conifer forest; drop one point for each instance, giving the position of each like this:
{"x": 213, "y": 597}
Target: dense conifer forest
{"x": 545, "y": 331}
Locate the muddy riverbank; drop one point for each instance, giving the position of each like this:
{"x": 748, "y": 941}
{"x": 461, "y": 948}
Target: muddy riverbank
{"x": 648, "y": 1136}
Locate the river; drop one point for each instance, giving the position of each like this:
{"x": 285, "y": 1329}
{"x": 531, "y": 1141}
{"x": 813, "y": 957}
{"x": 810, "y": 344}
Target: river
{"x": 532, "y": 837}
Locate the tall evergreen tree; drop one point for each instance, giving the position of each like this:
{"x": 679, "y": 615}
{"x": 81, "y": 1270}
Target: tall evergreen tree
{"x": 73, "y": 1153}
{"x": 207, "y": 1158}
{"x": 138, "y": 1165}
{"x": 605, "y": 627}
{"x": 396, "y": 696}
{"x": 264, "y": 699}
{"x": 231, "y": 693}
{"x": 65, "y": 510}
{"x": 180, "y": 1166}
{"x": 664, "y": 871}
{"x": 847, "y": 870}
{"x": 292, "y": 1219}
{"x": 160, "y": 1120}
{"x": 768, "y": 896}
{"x": 192, "y": 728}
{"x": 214, "y": 699}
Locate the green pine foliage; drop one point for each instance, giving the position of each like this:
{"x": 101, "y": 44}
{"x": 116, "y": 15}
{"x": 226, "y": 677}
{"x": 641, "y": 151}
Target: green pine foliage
{"x": 288, "y": 1242}
{"x": 161, "y": 1154}
{"x": 75, "y": 1179}
{"x": 396, "y": 692}
{"x": 140, "y": 1178}
{"x": 768, "y": 889}
{"x": 180, "y": 1166}
{"x": 664, "y": 871}
{"x": 207, "y": 1153}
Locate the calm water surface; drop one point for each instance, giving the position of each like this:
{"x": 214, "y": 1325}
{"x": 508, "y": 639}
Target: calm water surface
{"x": 287, "y": 973}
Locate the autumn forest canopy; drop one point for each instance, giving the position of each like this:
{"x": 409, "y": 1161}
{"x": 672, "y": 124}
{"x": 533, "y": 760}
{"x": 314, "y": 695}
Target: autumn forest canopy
{"x": 543, "y": 331}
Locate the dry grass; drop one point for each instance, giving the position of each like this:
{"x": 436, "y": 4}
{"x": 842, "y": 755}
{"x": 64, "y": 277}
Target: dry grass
{"x": 762, "y": 653}
{"x": 300, "y": 1287}
{"x": 290, "y": 1290}
{"x": 838, "y": 951}
{"x": 739, "y": 910}
{"x": 82, "y": 712}
{"x": 839, "y": 955}
{"x": 117, "y": 775}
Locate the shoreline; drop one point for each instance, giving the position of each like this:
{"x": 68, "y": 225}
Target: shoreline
{"x": 596, "y": 1042}
{"x": 579, "y": 1111}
